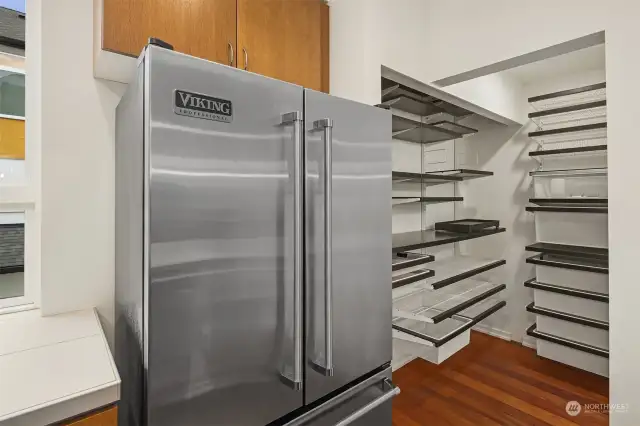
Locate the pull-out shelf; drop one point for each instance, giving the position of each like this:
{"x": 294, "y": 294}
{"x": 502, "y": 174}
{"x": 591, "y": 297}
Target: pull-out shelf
{"x": 454, "y": 127}
{"x": 582, "y": 133}
{"x": 426, "y": 200}
{"x": 578, "y": 150}
{"x": 571, "y": 201}
{"x": 434, "y": 307}
{"x": 576, "y": 319}
{"x": 567, "y": 291}
{"x": 576, "y": 264}
{"x": 570, "y": 250}
{"x": 571, "y": 115}
{"x": 570, "y": 300}
{"x": 416, "y": 132}
{"x": 567, "y": 209}
{"x": 429, "y": 238}
{"x": 427, "y": 179}
{"x": 571, "y": 97}
{"x": 440, "y": 177}
{"x": 408, "y": 260}
{"x": 571, "y": 327}
{"x": 411, "y": 277}
{"x": 404, "y": 101}
{"x": 568, "y": 351}
{"x": 441, "y": 333}
{"x": 533, "y": 332}
{"x": 455, "y": 269}
{"x": 437, "y": 342}
{"x": 463, "y": 174}
{"x": 591, "y": 172}
{"x": 392, "y": 90}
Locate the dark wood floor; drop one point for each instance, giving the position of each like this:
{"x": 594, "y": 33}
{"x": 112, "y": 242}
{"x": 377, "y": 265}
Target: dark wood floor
{"x": 495, "y": 382}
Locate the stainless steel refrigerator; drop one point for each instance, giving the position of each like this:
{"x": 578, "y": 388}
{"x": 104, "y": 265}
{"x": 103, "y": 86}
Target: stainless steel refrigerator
{"x": 253, "y": 224}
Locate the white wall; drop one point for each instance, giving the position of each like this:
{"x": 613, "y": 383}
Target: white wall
{"x": 77, "y": 162}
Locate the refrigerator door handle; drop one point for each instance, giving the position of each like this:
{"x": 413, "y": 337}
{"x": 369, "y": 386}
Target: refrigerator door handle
{"x": 326, "y": 125}
{"x": 392, "y": 391}
{"x": 295, "y": 119}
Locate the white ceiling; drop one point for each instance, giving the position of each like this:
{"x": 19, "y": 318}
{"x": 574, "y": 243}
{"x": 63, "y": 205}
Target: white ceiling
{"x": 591, "y": 58}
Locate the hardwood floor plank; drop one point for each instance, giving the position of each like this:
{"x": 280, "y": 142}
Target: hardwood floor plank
{"x": 495, "y": 382}
{"x": 541, "y": 398}
{"x": 509, "y": 399}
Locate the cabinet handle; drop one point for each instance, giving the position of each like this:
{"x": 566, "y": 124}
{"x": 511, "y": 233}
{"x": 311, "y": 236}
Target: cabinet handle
{"x": 231, "y": 54}
{"x": 246, "y": 59}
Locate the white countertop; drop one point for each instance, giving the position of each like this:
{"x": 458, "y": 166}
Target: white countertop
{"x": 53, "y": 368}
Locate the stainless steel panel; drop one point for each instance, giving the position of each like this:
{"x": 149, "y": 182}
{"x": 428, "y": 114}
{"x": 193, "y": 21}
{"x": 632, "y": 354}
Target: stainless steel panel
{"x": 221, "y": 274}
{"x": 361, "y": 242}
{"x": 129, "y": 333}
{"x": 367, "y": 403}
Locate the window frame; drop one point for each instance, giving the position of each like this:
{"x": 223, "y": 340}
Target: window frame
{"x": 21, "y": 198}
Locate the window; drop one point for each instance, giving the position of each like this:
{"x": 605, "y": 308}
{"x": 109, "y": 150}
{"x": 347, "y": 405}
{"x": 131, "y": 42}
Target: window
{"x": 11, "y": 257}
{"x": 19, "y": 286}
{"x": 11, "y": 92}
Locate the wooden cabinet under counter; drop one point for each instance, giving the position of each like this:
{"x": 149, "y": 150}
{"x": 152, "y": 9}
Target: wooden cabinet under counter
{"x": 104, "y": 417}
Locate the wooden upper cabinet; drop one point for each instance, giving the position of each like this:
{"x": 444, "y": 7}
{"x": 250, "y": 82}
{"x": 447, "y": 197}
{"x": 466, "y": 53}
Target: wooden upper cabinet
{"x": 202, "y": 28}
{"x": 285, "y": 39}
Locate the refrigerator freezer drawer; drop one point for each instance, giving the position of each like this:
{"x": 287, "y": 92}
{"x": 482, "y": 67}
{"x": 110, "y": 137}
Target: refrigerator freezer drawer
{"x": 367, "y": 403}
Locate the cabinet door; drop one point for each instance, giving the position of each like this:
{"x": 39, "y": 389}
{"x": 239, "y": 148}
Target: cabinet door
{"x": 285, "y": 39}
{"x": 107, "y": 417}
{"x": 202, "y": 28}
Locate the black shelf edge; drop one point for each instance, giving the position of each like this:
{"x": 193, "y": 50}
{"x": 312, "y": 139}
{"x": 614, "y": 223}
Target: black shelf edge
{"x": 601, "y": 268}
{"x": 602, "y": 325}
{"x": 439, "y": 342}
{"x": 596, "y": 171}
{"x": 533, "y": 332}
{"x": 470, "y": 173}
{"x": 571, "y": 129}
{"x": 412, "y": 259}
{"x": 411, "y": 277}
{"x": 426, "y": 178}
{"x": 567, "y": 209}
{"x": 572, "y": 108}
{"x": 465, "y": 130}
{"x": 571, "y": 200}
{"x": 567, "y": 291}
{"x": 592, "y": 148}
{"x": 467, "y": 304}
{"x": 421, "y": 239}
{"x": 568, "y": 92}
{"x": 582, "y": 252}
{"x": 468, "y": 274}
{"x": 432, "y": 200}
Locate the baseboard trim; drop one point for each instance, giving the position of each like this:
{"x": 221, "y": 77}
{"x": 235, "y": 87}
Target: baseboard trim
{"x": 529, "y": 342}
{"x": 401, "y": 364}
{"x": 495, "y": 332}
